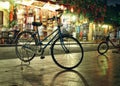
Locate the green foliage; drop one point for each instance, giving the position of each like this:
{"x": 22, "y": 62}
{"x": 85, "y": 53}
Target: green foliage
{"x": 13, "y": 23}
{"x": 94, "y": 10}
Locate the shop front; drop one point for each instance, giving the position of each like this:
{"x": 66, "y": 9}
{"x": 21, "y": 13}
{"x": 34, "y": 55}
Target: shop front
{"x": 4, "y": 6}
{"x": 29, "y": 11}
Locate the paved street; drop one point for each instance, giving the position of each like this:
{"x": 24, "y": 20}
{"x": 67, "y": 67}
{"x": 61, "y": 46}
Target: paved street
{"x": 95, "y": 70}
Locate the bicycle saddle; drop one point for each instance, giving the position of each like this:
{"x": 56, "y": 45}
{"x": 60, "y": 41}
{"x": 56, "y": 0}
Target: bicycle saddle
{"x": 36, "y": 23}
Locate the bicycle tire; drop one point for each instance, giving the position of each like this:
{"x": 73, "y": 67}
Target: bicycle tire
{"x": 103, "y": 48}
{"x": 75, "y": 52}
{"x": 25, "y": 46}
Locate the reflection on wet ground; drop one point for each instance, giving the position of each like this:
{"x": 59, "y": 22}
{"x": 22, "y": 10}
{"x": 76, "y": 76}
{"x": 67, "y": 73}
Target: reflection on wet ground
{"x": 103, "y": 64}
{"x": 95, "y": 70}
{"x": 25, "y": 75}
{"x": 68, "y": 78}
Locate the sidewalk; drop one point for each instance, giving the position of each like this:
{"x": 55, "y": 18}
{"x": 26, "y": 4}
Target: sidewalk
{"x": 82, "y": 42}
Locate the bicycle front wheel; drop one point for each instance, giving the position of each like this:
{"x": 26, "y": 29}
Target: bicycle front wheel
{"x": 67, "y": 54}
{"x": 25, "y": 46}
{"x": 102, "y": 48}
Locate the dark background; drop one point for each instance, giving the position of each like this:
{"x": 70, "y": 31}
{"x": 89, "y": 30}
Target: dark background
{"x": 113, "y": 2}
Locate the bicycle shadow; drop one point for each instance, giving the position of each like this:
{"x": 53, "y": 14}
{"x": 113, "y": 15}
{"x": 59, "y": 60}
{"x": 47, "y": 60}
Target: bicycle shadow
{"x": 25, "y": 75}
{"x": 68, "y": 78}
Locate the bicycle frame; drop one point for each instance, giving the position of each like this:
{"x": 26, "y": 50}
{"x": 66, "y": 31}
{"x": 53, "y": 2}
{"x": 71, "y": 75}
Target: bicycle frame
{"x": 57, "y": 34}
{"x": 108, "y": 40}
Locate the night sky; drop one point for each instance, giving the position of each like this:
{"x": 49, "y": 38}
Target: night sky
{"x": 113, "y": 2}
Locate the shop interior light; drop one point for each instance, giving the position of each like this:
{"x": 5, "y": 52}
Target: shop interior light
{"x": 63, "y": 7}
{"x": 99, "y": 25}
{"x": 51, "y": 7}
{"x": 74, "y": 18}
{"x": 5, "y": 5}
{"x": 53, "y": 0}
{"x": 21, "y": 11}
{"x": 25, "y": 2}
{"x": 105, "y": 26}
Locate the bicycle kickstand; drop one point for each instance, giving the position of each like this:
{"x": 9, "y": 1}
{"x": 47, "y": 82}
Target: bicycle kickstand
{"x": 42, "y": 56}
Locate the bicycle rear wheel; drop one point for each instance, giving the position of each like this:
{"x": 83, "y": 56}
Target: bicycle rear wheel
{"x": 102, "y": 48}
{"x": 25, "y": 46}
{"x": 67, "y": 54}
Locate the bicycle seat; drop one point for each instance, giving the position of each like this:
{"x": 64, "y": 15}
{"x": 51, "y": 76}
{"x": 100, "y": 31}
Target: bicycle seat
{"x": 36, "y": 23}
{"x": 59, "y": 10}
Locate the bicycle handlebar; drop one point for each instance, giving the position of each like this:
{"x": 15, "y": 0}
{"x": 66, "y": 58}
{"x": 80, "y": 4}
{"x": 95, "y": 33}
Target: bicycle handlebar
{"x": 55, "y": 17}
{"x": 36, "y": 23}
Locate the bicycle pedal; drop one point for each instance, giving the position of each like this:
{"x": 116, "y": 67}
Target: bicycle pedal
{"x": 42, "y": 57}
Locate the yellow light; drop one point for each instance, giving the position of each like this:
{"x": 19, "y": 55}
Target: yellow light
{"x": 62, "y": 7}
{"x": 74, "y": 18}
{"x": 105, "y": 26}
{"x": 71, "y": 9}
{"x": 99, "y": 25}
{"x": 25, "y": 2}
{"x": 51, "y": 7}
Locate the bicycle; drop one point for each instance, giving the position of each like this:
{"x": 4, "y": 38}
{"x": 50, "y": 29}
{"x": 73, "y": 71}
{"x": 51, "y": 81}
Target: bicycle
{"x": 104, "y": 45}
{"x": 66, "y": 51}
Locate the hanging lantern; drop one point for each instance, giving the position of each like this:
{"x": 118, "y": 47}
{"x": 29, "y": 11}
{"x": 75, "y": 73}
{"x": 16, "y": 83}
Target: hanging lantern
{"x": 11, "y": 16}
{"x": 11, "y": 13}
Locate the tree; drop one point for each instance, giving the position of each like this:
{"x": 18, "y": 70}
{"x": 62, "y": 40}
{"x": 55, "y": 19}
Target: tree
{"x": 94, "y": 10}
{"x": 113, "y": 15}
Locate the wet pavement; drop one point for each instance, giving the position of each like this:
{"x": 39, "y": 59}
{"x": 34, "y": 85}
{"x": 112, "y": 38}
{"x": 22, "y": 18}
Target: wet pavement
{"x": 95, "y": 70}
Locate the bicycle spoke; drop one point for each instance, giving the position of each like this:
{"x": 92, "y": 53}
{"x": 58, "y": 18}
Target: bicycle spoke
{"x": 102, "y": 47}
{"x": 67, "y": 55}
{"x": 25, "y": 46}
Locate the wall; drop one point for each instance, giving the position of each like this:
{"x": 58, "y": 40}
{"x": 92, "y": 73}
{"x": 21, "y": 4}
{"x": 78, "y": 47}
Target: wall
{"x": 5, "y": 18}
